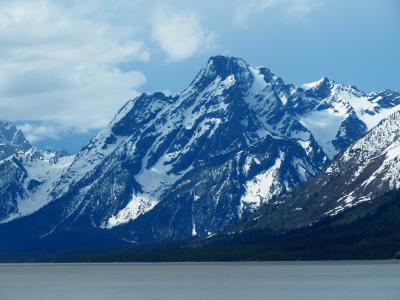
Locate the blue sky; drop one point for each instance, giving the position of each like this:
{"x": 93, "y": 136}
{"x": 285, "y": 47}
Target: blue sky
{"x": 67, "y": 66}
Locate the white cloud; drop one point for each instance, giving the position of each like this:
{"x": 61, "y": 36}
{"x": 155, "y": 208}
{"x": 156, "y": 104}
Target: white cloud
{"x": 294, "y": 9}
{"x": 246, "y": 9}
{"x": 37, "y": 132}
{"x": 180, "y": 34}
{"x": 59, "y": 65}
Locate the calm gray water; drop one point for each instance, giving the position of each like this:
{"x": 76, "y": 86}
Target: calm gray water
{"x": 321, "y": 280}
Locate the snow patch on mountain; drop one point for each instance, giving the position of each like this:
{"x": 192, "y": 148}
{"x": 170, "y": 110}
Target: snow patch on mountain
{"x": 324, "y": 125}
{"x": 314, "y": 84}
{"x": 41, "y": 169}
{"x": 139, "y": 205}
{"x": 158, "y": 178}
{"x": 262, "y": 187}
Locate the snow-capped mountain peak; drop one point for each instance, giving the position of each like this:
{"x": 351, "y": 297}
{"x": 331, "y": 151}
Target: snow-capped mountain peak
{"x": 12, "y": 140}
{"x": 170, "y": 167}
{"x": 324, "y": 81}
{"x": 27, "y": 176}
{"x": 338, "y": 114}
{"x": 159, "y": 149}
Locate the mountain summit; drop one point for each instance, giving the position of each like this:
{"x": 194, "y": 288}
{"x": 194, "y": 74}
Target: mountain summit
{"x": 175, "y": 167}
{"x": 12, "y": 140}
{"x": 27, "y": 174}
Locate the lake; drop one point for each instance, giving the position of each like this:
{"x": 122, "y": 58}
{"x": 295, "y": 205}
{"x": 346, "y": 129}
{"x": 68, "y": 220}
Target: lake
{"x": 278, "y": 280}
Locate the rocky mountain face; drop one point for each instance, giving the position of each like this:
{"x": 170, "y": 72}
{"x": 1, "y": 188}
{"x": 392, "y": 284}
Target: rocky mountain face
{"x": 199, "y": 160}
{"x": 337, "y": 115}
{"x": 174, "y": 167}
{"x": 365, "y": 171}
{"x": 12, "y": 140}
{"x": 27, "y": 174}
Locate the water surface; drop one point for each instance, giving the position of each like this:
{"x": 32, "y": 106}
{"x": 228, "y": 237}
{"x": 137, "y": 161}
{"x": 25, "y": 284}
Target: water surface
{"x": 286, "y": 280}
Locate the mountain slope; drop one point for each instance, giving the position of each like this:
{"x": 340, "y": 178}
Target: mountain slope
{"x": 337, "y": 115}
{"x": 359, "y": 233}
{"x": 27, "y": 174}
{"x": 193, "y": 164}
{"x": 366, "y": 170}
{"x": 227, "y": 133}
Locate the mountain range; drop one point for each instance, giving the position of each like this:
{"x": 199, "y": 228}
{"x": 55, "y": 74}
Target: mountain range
{"x": 237, "y": 146}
